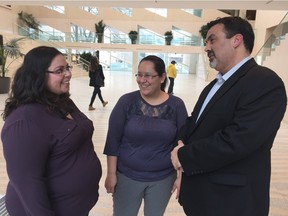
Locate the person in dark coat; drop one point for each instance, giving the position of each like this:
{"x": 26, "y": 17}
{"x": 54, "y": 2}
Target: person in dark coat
{"x": 97, "y": 81}
{"x": 224, "y": 148}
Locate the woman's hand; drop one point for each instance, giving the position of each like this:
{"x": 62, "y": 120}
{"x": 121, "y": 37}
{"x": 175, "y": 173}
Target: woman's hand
{"x": 174, "y": 157}
{"x": 177, "y": 184}
{"x": 110, "y": 182}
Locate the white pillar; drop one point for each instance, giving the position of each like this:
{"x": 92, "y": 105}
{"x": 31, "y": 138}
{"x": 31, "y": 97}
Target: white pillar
{"x": 135, "y": 62}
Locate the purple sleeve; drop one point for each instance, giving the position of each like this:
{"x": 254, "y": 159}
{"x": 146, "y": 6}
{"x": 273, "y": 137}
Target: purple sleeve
{"x": 182, "y": 114}
{"x": 26, "y": 152}
{"x": 116, "y": 127}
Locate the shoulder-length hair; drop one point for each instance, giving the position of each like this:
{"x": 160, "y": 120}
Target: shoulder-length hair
{"x": 94, "y": 63}
{"x": 29, "y": 83}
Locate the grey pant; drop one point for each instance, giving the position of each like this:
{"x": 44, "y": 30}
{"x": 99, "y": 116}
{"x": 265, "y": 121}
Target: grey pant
{"x": 129, "y": 193}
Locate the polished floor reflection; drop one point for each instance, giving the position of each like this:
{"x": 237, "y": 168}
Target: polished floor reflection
{"x": 187, "y": 87}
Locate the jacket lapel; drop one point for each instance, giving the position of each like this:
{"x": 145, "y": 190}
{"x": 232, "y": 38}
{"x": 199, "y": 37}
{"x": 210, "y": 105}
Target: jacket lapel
{"x": 201, "y": 99}
{"x": 244, "y": 69}
{"x": 197, "y": 108}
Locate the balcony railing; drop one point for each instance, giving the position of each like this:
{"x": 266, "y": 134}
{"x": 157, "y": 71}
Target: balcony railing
{"x": 274, "y": 40}
{"x": 115, "y": 63}
{"x": 111, "y": 38}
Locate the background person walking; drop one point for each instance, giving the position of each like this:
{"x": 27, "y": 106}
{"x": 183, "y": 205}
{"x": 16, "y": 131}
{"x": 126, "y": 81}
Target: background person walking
{"x": 172, "y": 73}
{"x": 96, "y": 80}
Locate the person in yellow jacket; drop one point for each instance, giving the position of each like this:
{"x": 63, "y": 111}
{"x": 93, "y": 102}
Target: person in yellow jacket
{"x": 172, "y": 73}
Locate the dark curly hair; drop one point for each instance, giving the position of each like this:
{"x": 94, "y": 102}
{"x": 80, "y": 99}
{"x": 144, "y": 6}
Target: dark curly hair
{"x": 29, "y": 84}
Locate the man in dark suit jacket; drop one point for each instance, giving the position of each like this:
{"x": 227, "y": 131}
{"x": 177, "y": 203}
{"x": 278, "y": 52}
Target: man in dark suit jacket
{"x": 224, "y": 148}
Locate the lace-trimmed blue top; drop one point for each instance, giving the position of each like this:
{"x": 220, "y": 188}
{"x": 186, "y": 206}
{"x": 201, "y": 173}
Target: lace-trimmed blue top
{"x": 142, "y": 136}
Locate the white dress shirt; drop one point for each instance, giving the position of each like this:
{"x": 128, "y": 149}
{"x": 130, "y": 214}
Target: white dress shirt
{"x": 220, "y": 80}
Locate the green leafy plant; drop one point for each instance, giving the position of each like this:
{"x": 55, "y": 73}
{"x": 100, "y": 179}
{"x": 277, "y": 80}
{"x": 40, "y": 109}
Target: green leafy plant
{"x": 168, "y": 37}
{"x": 28, "y": 25}
{"x": 10, "y": 49}
{"x": 100, "y": 27}
{"x": 26, "y": 19}
{"x": 85, "y": 59}
{"x": 133, "y": 35}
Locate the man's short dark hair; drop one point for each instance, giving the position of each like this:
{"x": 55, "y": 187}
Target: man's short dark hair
{"x": 236, "y": 25}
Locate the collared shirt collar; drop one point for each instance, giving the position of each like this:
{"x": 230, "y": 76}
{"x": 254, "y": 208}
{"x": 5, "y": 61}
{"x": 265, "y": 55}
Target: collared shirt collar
{"x": 232, "y": 70}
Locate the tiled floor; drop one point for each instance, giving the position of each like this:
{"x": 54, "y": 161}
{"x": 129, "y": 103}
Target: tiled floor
{"x": 188, "y": 87}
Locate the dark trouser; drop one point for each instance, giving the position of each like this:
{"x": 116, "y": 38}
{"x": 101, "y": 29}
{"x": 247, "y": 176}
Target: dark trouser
{"x": 170, "y": 89}
{"x": 96, "y": 91}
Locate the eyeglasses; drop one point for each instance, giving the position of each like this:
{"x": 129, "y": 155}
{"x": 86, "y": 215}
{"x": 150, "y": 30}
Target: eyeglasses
{"x": 62, "y": 70}
{"x": 146, "y": 76}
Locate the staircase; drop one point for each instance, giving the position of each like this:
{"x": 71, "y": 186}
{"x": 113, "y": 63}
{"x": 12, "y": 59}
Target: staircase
{"x": 278, "y": 62}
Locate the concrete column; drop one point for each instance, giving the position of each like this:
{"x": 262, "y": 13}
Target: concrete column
{"x": 135, "y": 62}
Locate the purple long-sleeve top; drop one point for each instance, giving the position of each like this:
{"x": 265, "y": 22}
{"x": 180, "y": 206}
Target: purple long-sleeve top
{"x": 51, "y": 163}
{"x": 142, "y": 136}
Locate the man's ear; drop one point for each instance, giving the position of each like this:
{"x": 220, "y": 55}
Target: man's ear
{"x": 238, "y": 39}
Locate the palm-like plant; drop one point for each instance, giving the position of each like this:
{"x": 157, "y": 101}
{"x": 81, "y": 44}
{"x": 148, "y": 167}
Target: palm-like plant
{"x": 133, "y": 35}
{"x": 28, "y": 20}
{"x": 100, "y": 27}
{"x": 28, "y": 25}
{"x": 168, "y": 37}
{"x": 10, "y": 49}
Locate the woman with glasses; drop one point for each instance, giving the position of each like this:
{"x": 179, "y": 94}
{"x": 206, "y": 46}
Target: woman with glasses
{"x": 97, "y": 81}
{"x": 51, "y": 163}
{"x": 142, "y": 131}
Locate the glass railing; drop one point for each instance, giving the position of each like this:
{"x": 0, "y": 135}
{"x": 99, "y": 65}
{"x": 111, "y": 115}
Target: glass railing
{"x": 113, "y": 63}
{"x": 109, "y": 38}
{"x": 51, "y": 39}
{"x": 274, "y": 40}
{"x": 182, "y": 68}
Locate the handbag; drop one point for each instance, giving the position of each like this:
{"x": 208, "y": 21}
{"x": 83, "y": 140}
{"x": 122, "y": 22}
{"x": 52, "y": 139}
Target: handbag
{"x": 99, "y": 79}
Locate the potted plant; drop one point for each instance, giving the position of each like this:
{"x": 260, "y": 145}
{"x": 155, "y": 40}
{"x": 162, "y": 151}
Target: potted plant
{"x": 26, "y": 22}
{"x": 203, "y": 32}
{"x": 100, "y": 27}
{"x": 168, "y": 37}
{"x": 133, "y": 35}
{"x": 10, "y": 49}
{"x": 85, "y": 59}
